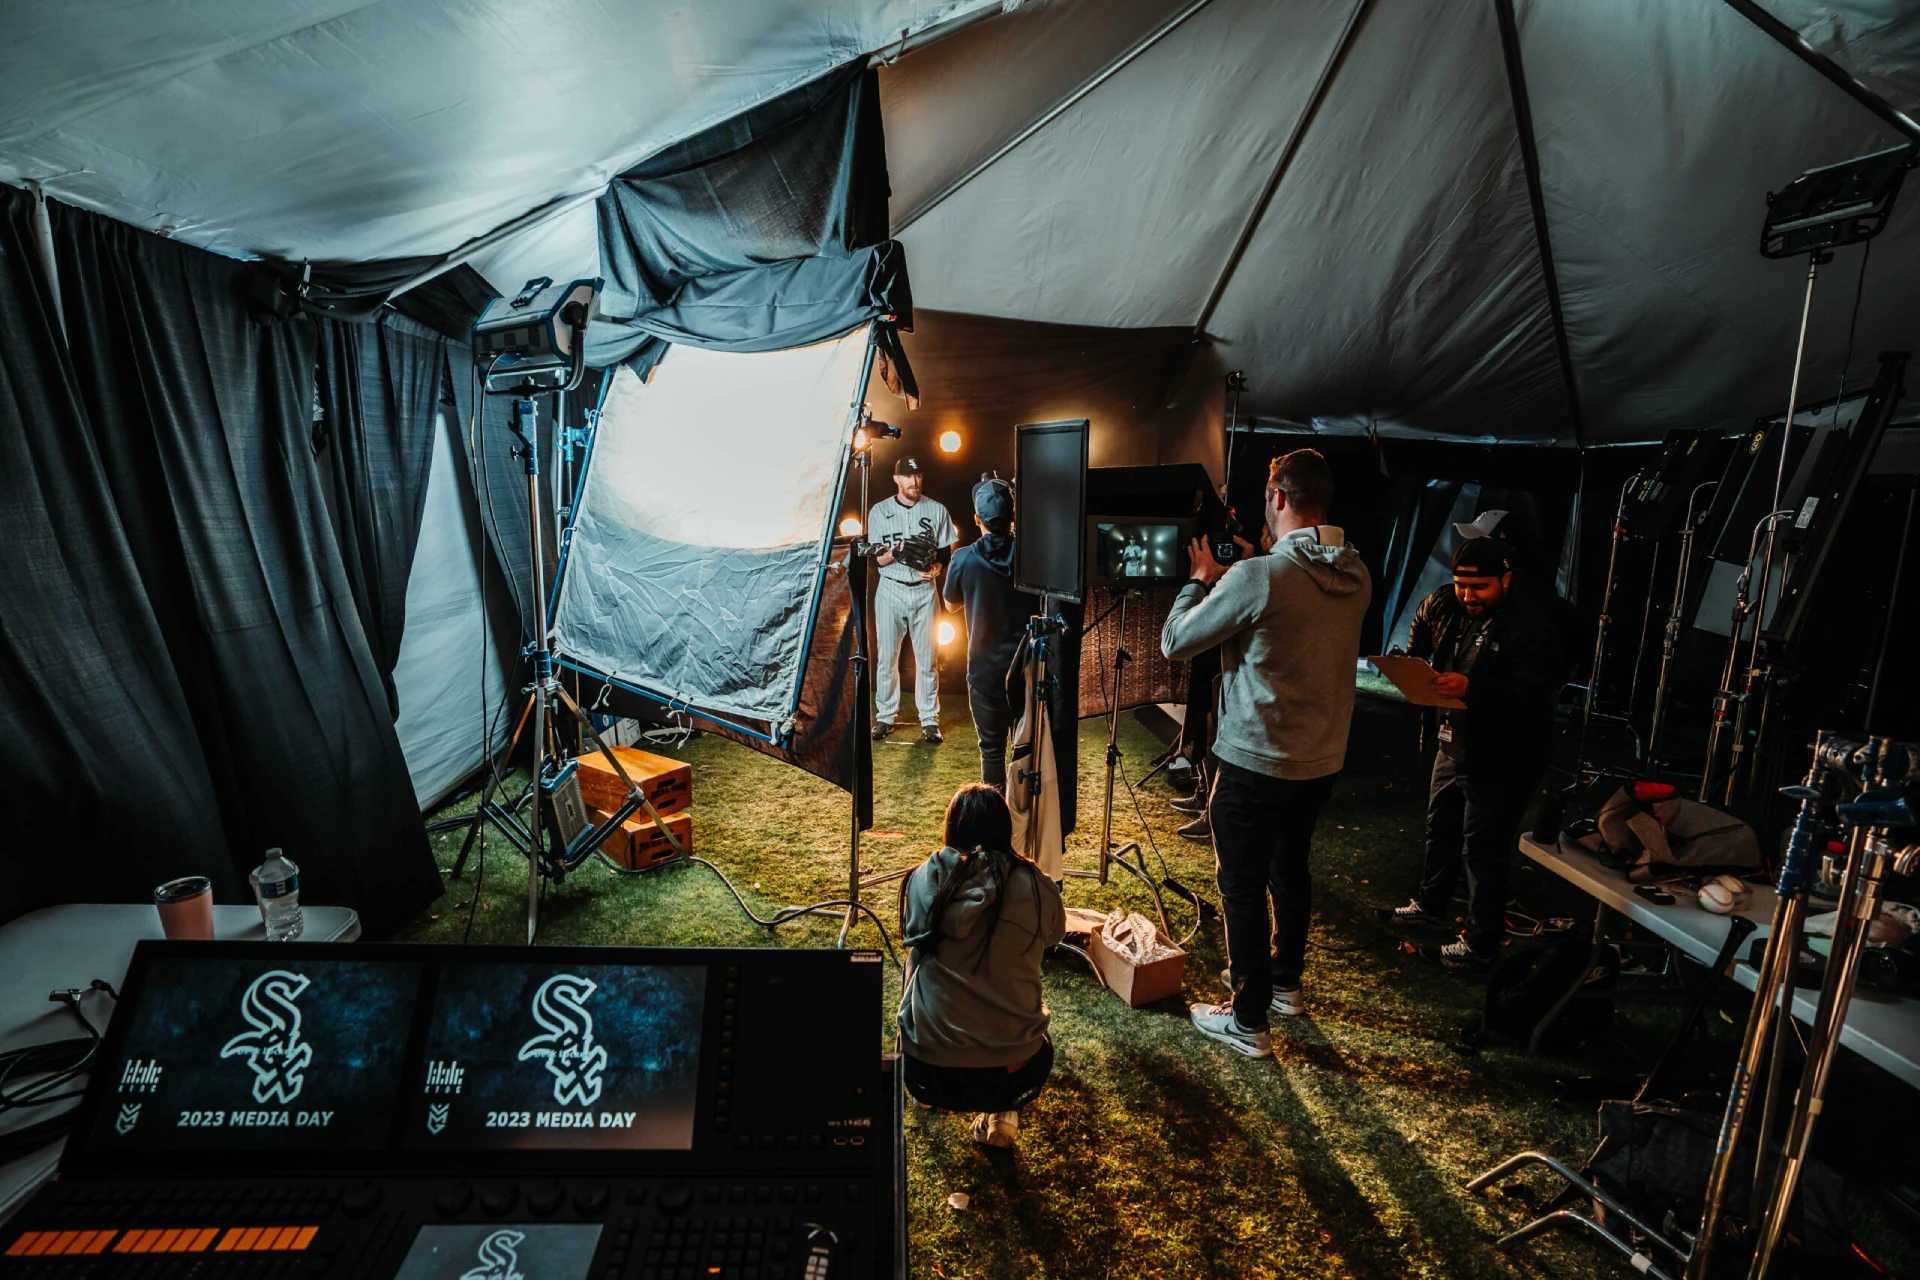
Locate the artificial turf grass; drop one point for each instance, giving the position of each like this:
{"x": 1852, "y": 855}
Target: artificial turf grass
{"x": 1154, "y": 1152}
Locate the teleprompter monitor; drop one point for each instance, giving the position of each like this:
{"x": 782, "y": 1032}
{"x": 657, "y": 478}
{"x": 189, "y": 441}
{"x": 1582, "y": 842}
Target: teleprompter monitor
{"x": 1050, "y": 508}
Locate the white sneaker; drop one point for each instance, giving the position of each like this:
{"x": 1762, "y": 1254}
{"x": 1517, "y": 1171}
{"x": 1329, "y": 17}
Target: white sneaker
{"x": 996, "y": 1128}
{"x": 1216, "y": 1021}
{"x": 1287, "y": 1001}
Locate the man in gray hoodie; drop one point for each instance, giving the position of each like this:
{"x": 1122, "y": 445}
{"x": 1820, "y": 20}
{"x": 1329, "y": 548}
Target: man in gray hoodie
{"x": 1288, "y": 624}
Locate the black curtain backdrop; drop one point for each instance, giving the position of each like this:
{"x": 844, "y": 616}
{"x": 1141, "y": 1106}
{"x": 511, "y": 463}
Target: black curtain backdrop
{"x": 379, "y": 389}
{"x": 209, "y": 650}
{"x": 107, "y": 791}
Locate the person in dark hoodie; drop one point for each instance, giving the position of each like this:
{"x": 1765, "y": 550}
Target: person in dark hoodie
{"x": 980, "y": 581}
{"x": 1501, "y": 657}
{"x": 976, "y": 918}
{"x": 1288, "y": 624}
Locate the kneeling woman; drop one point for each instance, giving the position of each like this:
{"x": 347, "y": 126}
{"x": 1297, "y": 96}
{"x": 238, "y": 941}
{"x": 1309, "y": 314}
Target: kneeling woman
{"x": 977, "y": 919}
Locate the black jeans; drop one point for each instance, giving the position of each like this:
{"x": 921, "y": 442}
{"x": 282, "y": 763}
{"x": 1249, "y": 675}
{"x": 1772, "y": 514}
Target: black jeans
{"x": 977, "y": 1088}
{"x": 1472, "y": 819}
{"x": 992, "y": 717}
{"x": 1262, "y": 831}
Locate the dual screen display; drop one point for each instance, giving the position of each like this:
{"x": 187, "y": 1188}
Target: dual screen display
{"x": 254, "y": 1056}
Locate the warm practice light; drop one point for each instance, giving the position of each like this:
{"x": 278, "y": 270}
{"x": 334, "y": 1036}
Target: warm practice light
{"x": 946, "y": 633}
{"x": 850, "y": 527}
{"x": 949, "y": 442}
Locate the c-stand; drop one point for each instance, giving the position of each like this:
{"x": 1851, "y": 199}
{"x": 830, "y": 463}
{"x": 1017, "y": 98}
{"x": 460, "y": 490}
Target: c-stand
{"x": 569, "y": 838}
{"x": 1108, "y": 854}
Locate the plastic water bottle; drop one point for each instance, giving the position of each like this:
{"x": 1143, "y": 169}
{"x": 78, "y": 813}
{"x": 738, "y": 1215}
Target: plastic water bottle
{"x": 280, "y": 897}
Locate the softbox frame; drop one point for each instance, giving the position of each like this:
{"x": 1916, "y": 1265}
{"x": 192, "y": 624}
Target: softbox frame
{"x": 701, "y": 538}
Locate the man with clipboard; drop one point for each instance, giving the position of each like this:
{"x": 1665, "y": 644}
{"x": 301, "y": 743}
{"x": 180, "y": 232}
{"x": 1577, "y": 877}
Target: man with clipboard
{"x": 1499, "y": 663}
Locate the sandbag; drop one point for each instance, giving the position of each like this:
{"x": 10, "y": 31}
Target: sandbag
{"x": 1654, "y": 833}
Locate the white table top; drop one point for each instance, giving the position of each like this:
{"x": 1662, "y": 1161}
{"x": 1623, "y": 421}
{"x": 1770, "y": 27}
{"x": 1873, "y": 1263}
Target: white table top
{"x": 1881, "y": 1027}
{"x": 70, "y": 946}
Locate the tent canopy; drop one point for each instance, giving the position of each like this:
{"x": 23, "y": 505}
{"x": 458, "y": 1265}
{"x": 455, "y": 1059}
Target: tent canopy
{"x": 1335, "y": 193}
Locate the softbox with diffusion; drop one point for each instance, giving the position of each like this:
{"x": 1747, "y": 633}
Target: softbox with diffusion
{"x": 693, "y": 568}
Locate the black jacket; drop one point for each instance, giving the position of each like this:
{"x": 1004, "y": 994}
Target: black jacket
{"x": 1514, "y": 666}
{"x": 981, "y": 580}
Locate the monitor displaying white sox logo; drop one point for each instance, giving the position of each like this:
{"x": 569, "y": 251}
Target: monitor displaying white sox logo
{"x": 274, "y": 1048}
{"x": 566, "y": 1042}
{"x": 499, "y": 1258}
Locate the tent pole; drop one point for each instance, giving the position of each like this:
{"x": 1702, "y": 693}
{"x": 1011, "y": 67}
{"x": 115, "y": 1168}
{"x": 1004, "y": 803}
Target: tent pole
{"x": 1793, "y": 42}
{"x": 1536, "y": 199}
{"x": 1284, "y": 163}
{"x": 1051, "y": 114}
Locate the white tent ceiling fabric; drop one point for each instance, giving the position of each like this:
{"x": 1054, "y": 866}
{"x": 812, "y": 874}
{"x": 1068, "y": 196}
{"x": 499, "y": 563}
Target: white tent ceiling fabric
{"x": 1395, "y": 281}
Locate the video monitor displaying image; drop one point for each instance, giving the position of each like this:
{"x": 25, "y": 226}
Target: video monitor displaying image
{"x": 561, "y": 1057}
{"x": 1143, "y": 551}
{"x": 259, "y": 1055}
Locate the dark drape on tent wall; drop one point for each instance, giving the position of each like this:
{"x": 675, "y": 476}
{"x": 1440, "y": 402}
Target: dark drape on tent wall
{"x": 765, "y": 232}
{"x": 379, "y": 388}
{"x": 201, "y": 419}
{"x": 95, "y": 731}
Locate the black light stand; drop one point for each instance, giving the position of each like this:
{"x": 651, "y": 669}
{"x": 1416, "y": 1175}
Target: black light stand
{"x": 546, "y": 362}
{"x": 858, "y": 553}
{"x": 1110, "y": 856}
{"x": 1670, "y": 638}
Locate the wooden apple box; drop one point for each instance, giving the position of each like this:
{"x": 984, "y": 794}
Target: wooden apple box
{"x": 1138, "y": 984}
{"x": 638, "y": 846}
{"x": 667, "y": 783}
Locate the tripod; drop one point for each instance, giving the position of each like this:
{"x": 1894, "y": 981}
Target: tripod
{"x": 554, "y": 785}
{"x": 1110, "y": 856}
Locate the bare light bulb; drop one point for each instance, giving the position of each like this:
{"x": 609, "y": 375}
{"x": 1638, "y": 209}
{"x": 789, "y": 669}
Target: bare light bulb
{"x": 949, "y": 442}
{"x": 850, "y": 527}
{"x": 946, "y": 632}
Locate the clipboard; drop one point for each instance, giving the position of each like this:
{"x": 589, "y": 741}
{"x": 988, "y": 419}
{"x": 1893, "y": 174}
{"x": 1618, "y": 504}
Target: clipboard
{"x": 1414, "y": 678}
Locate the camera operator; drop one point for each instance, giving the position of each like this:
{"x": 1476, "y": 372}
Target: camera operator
{"x": 1501, "y": 656}
{"x": 980, "y": 581}
{"x": 1288, "y": 627}
{"x": 903, "y": 602}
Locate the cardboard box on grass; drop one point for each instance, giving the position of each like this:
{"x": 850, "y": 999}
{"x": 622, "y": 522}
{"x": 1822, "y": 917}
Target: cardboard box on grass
{"x": 1138, "y": 984}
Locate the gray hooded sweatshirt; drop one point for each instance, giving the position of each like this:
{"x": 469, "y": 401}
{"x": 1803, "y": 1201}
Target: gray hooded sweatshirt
{"x": 974, "y": 1000}
{"x": 1288, "y": 624}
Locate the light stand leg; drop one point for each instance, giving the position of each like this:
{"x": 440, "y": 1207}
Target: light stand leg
{"x": 1120, "y": 659}
{"x": 1776, "y": 973}
{"x": 1670, "y": 639}
{"x": 526, "y": 425}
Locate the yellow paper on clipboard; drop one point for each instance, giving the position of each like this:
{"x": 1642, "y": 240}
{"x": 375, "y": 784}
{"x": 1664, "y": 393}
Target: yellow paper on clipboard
{"x": 1414, "y": 678}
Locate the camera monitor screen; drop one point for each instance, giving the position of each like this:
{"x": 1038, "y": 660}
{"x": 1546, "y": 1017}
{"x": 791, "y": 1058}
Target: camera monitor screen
{"x": 1138, "y": 551}
{"x": 561, "y": 1057}
{"x": 259, "y": 1055}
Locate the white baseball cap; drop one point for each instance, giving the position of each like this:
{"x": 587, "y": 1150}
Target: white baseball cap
{"x": 1482, "y": 525}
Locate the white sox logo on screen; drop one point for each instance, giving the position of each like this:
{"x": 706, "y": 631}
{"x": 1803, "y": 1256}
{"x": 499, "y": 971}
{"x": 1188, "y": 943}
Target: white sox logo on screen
{"x": 274, "y": 1049}
{"x": 572, "y": 1056}
{"x": 499, "y": 1256}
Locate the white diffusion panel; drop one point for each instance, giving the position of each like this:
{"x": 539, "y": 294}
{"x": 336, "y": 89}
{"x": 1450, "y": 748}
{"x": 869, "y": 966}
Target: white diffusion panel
{"x": 695, "y": 561}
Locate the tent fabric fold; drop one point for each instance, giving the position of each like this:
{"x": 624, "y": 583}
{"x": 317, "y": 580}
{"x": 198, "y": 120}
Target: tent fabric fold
{"x": 271, "y": 726}
{"x": 765, "y": 232}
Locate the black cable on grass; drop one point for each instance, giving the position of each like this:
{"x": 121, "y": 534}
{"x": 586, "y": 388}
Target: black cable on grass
{"x": 781, "y": 917}
{"x": 1358, "y": 946}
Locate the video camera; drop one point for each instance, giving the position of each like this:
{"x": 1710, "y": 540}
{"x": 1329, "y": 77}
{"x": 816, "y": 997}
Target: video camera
{"x": 1216, "y": 522}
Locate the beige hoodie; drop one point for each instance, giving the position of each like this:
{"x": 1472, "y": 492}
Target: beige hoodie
{"x": 1288, "y": 627}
